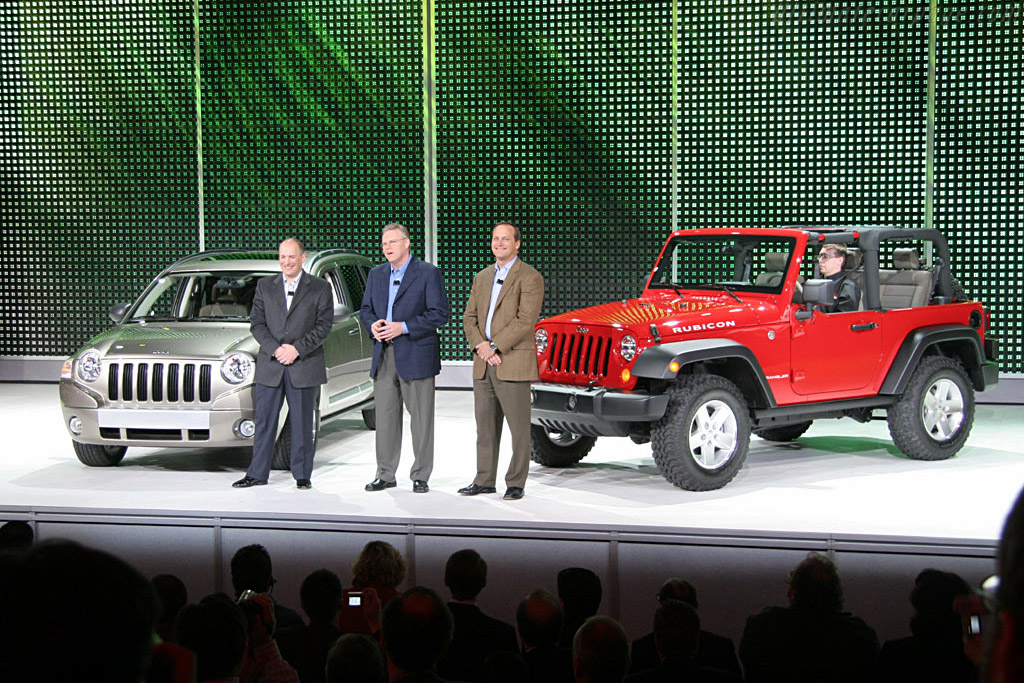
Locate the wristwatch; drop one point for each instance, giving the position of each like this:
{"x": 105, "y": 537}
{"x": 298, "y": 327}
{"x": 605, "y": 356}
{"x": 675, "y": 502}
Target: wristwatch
{"x": 494, "y": 346}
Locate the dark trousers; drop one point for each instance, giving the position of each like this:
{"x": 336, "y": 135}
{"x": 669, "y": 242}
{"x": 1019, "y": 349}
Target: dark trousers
{"x": 301, "y": 414}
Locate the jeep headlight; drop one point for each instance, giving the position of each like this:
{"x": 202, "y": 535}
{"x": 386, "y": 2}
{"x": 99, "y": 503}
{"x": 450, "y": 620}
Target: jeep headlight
{"x": 237, "y": 367}
{"x": 541, "y": 337}
{"x": 627, "y": 348}
{"x": 90, "y": 366}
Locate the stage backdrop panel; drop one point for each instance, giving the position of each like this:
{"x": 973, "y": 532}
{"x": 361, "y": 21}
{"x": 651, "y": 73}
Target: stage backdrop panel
{"x": 312, "y": 121}
{"x": 99, "y": 187}
{"x": 978, "y": 150}
{"x": 557, "y": 117}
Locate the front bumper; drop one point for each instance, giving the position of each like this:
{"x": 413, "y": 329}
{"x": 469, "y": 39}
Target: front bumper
{"x": 593, "y": 412}
{"x": 158, "y": 428}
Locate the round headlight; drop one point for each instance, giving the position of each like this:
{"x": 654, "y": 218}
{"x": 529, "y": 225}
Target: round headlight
{"x": 627, "y": 348}
{"x": 90, "y": 366}
{"x": 541, "y": 337}
{"x": 237, "y": 368}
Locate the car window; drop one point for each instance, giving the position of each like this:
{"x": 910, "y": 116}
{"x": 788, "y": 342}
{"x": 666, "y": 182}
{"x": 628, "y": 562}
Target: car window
{"x": 354, "y": 283}
{"x": 199, "y": 296}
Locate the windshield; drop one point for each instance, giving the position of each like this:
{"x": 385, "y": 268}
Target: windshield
{"x": 748, "y": 263}
{"x": 199, "y": 296}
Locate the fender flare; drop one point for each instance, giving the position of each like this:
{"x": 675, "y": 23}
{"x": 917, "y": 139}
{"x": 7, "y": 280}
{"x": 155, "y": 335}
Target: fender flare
{"x": 654, "y": 362}
{"x": 915, "y": 345}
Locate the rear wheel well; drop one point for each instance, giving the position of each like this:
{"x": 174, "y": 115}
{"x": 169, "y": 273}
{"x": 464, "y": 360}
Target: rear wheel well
{"x": 962, "y": 350}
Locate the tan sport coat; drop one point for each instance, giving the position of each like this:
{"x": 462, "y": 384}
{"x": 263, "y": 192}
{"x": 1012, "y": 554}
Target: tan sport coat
{"x": 515, "y": 314}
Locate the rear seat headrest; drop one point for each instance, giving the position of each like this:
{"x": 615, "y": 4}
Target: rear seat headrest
{"x": 905, "y": 259}
{"x": 853, "y": 258}
{"x": 775, "y": 261}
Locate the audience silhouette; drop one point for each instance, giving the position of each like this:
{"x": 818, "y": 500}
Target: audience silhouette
{"x": 171, "y": 595}
{"x": 356, "y": 658}
{"x": 539, "y": 622}
{"x": 476, "y": 635}
{"x": 600, "y": 651}
{"x": 812, "y": 639}
{"x": 376, "y": 575}
{"x": 579, "y": 590}
{"x": 306, "y": 647}
{"x": 416, "y": 629}
{"x": 251, "y": 569}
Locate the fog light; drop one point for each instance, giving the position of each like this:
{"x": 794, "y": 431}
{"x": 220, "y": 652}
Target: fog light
{"x": 244, "y": 429}
{"x": 570, "y": 403}
{"x": 626, "y": 374}
{"x": 533, "y": 396}
{"x": 75, "y": 425}
{"x": 674, "y": 366}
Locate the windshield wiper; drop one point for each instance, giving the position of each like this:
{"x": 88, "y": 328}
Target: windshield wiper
{"x": 724, "y": 286}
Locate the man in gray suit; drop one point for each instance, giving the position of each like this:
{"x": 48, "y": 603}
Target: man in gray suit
{"x": 292, "y": 315}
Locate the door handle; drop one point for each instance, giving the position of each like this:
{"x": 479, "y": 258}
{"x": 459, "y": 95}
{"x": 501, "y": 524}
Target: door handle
{"x": 354, "y": 331}
{"x": 863, "y": 328}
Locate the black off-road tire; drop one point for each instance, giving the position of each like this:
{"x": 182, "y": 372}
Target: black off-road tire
{"x": 558, "y": 449}
{"x": 701, "y": 442}
{"x": 934, "y": 416}
{"x": 95, "y": 455}
{"x": 282, "y": 456}
{"x": 784, "y": 433}
{"x": 370, "y": 418}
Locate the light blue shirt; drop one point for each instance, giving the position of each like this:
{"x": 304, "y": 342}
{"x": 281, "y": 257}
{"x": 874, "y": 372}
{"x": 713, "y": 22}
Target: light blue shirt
{"x": 394, "y": 284}
{"x": 499, "y": 278}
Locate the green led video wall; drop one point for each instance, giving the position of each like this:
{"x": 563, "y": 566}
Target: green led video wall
{"x": 312, "y": 121}
{"x": 557, "y": 117}
{"x": 978, "y": 149}
{"x": 133, "y": 132}
{"x": 99, "y": 189}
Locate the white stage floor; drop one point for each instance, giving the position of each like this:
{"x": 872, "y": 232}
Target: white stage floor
{"x": 841, "y": 480}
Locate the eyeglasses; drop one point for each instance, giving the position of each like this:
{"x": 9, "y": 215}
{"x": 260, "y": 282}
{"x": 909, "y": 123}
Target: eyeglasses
{"x": 391, "y": 243}
{"x": 824, "y": 256}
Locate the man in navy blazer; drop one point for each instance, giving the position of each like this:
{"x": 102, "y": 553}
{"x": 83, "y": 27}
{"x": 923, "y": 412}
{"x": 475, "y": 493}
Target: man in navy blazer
{"x": 404, "y": 305}
{"x": 292, "y": 314}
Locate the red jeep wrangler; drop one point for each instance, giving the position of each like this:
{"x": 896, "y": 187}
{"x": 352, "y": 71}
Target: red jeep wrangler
{"x": 728, "y": 339}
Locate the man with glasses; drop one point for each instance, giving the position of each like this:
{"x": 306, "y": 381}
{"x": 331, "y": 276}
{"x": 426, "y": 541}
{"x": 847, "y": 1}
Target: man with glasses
{"x": 404, "y": 305}
{"x": 830, "y": 263}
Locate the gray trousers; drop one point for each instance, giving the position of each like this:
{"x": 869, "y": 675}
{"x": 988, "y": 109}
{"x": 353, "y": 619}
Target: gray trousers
{"x": 495, "y": 401}
{"x": 390, "y": 393}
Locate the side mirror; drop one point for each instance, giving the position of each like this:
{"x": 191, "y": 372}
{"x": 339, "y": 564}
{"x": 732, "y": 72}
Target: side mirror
{"x": 118, "y": 312}
{"x": 822, "y": 291}
{"x": 341, "y": 312}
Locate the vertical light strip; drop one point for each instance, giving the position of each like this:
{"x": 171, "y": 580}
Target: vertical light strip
{"x": 929, "y": 152}
{"x": 675, "y": 115}
{"x": 429, "y": 136}
{"x": 199, "y": 128}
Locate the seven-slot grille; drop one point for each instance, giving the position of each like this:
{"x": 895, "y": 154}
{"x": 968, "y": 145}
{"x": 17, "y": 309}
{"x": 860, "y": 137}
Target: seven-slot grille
{"x": 159, "y": 382}
{"x": 585, "y": 355}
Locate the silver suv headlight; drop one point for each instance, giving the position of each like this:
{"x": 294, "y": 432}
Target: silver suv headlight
{"x": 541, "y": 337}
{"x": 90, "y": 366}
{"x": 627, "y": 348}
{"x": 237, "y": 367}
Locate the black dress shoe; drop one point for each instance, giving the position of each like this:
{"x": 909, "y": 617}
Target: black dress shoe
{"x": 474, "y": 489}
{"x": 246, "y": 482}
{"x": 420, "y": 486}
{"x": 380, "y": 485}
{"x": 513, "y": 493}
{"x": 303, "y": 484}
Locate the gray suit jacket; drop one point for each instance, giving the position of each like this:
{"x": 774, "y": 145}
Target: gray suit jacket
{"x": 305, "y": 326}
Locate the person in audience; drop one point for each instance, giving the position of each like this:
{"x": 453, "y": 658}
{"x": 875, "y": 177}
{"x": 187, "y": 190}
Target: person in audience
{"x": 600, "y": 651}
{"x": 172, "y": 596}
{"x": 215, "y": 630}
{"x": 476, "y": 635}
{"x": 539, "y": 620}
{"x": 677, "y": 641}
{"x": 934, "y": 652}
{"x": 505, "y": 667}
{"x": 251, "y": 569}
{"x": 306, "y": 647}
{"x": 714, "y": 651}
{"x": 376, "y": 575}
{"x": 356, "y": 658}
{"x": 1004, "y": 633}
{"x": 16, "y": 536}
{"x": 416, "y": 629}
{"x": 579, "y": 590}
{"x": 262, "y": 662}
{"x": 812, "y": 639}
{"x": 72, "y": 613}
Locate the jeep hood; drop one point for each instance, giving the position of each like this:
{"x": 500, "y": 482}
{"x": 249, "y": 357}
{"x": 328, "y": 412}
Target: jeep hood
{"x": 640, "y": 314}
{"x": 175, "y": 340}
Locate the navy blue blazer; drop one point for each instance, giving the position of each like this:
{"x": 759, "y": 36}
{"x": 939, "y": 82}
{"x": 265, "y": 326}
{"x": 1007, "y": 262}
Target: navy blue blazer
{"x": 422, "y": 304}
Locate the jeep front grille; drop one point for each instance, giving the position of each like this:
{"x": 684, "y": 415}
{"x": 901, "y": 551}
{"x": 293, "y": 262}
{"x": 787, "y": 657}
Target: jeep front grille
{"x": 159, "y": 382}
{"x": 583, "y": 355}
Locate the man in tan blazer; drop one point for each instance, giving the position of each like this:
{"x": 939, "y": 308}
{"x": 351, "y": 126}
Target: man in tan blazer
{"x": 503, "y": 308}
